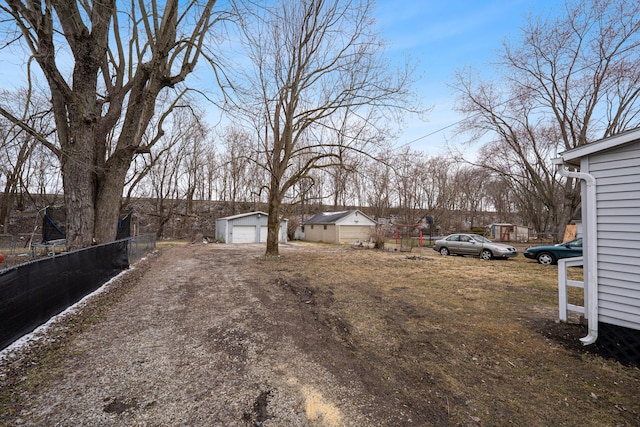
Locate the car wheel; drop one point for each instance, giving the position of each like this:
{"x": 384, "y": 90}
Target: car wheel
{"x": 486, "y": 254}
{"x": 545, "y": 258}
{"x": 444, "y": 251}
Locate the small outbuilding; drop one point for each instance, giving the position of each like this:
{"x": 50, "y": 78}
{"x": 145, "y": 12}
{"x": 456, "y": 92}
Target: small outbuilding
{"x": 250, "y": 227}
{"x": 339, "y": 227}
{"x": 509, "y": 233}
{"x": 610, "y": 171}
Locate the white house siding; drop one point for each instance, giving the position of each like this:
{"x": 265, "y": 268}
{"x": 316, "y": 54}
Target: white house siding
{"x": 355, "y": 218}
{"x": 354, "y": 233}
{"x": 618, "y": 217}
{"x": 321, "y": 233}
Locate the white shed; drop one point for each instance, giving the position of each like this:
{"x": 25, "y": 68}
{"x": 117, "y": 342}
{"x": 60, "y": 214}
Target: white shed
{"x": 250, "y": 227}
{"x": 610, "y": 174}
{"x": 339, "y": 227}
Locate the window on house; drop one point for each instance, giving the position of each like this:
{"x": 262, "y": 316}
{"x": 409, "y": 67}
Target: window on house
{"x": 324, "y": 226}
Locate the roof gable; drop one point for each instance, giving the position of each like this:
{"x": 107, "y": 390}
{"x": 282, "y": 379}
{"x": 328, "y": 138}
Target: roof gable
{"x": 245, "y": 214}
{"x": 327, "y": 217}
{"x": 575, "y": 154}
{"x": 334, "y": 217}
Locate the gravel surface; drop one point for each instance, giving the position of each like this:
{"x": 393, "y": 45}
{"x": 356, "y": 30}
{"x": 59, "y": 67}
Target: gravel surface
{"x": 217, "y": 335}
{"x": 198, "y": 341}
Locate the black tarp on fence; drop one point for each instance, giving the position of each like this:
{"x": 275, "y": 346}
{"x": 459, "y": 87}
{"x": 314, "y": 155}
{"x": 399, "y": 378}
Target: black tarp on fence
{"x": 32, "y": 293}
{"x": 53, "y": 227}
{"x": 124, "y": 226}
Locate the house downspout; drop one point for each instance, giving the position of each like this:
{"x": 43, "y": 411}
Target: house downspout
{"x": 592, "y": 252}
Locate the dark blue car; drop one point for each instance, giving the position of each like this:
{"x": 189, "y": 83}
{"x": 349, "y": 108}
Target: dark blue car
{"x": 551, "y": 254}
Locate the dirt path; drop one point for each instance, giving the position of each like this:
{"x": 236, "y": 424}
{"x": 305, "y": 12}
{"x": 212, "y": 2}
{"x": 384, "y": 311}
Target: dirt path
{"x": 214, "y": 335}
{"x": 201, "y": 341}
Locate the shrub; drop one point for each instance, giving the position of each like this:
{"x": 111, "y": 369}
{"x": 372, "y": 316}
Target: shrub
{"x": 378, "y": 236}
{"x": 480, "y": 230}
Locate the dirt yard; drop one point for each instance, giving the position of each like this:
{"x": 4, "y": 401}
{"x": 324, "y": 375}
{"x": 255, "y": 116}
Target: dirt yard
{"x": 217, "y": 335}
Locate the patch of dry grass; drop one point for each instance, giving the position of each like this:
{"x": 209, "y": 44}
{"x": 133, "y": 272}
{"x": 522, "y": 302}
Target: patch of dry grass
{"x": 479, "y": 340}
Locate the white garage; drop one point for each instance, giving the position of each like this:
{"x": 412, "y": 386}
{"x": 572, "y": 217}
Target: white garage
{"x": 250, "y": 227}
{"x": 339, "y": 227}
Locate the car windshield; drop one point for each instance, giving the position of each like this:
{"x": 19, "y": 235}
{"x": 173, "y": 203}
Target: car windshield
{"x": 480, "y": 239}
{"x": 577, "y": 243}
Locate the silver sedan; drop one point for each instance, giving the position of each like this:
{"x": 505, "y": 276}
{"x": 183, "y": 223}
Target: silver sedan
{"x": 473, "y": 244}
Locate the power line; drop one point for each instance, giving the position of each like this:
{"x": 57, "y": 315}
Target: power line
{"x": 434, "y": 132}
{"x": 585, "y": 67}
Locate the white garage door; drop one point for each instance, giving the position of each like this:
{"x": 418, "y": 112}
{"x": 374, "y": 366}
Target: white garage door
{"x": 244, "y": 234}
{"x": 352, "y": 233}
{"x": 263, "y": 234}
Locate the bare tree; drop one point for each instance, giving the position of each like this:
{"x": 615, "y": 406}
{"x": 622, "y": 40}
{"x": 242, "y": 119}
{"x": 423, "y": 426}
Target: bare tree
{"x": 103, "y": 77}
{"x": 16, "y": 147}
{"x": 312, "y": 60}
{"x": 240, "y": 175}
{"x": 503, "y": 201}
{"x": 165, "y": 178}
{"x": 181, "y": 122}
{"x": 407, "y": 179}
{"x": 40, "y": 182}
{"x": 341, "y": 178}
{"x": 439, "y": 190}
{"x": 568, "y": 80}
{"x": 172, "y": 172}
{"x": 195, "y": 147}
{"x": 210, "y": 174}
{"x": 378, "y": 186}
{"x": 169, "y": 177}
{"x": 470, "y": 183}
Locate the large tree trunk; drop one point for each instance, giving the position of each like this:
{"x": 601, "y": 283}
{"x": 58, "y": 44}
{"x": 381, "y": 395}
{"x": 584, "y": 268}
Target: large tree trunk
{"x": 108, "y": 202}
{"x": 79, "y": 183}
{"x": 107, "y": 216}
{"x": 273, "y": 219}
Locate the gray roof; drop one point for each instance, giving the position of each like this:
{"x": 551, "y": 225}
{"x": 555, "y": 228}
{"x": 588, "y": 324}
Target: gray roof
{"x": 330, "y": 217}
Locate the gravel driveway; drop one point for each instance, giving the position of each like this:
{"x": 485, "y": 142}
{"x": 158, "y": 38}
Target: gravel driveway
{"x": 217, "y": 335}
{"x": 199, "y": 340}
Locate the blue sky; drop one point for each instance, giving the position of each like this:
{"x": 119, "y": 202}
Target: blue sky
{"x": 440, "y": 37}
{"x": 443, "y": 36}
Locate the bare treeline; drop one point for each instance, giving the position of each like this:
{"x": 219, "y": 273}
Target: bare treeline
{"x": 193, "y": 163}
{"x": 308, "y": 104}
